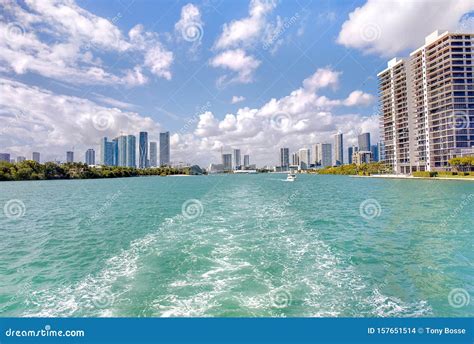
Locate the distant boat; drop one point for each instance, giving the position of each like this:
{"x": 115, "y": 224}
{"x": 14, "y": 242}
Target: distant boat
{"x": 291, "y": 177}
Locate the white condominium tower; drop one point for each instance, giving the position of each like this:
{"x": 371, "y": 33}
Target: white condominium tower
{"x": 339, "y": 149}
{"x": 427, "y": 104}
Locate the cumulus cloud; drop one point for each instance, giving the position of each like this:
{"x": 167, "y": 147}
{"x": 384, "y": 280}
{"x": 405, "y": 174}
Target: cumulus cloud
{"x": 190, "y": 26}
{"x": 236, "y": 61}
{"x": 239, "y": 36}
{"x": 60, "y": 40}
{"x": 357, "y": 98}
{"x": 237, "y": 99}
{"x": 39, "y": 120}
{"x": 381, "y": 27}
{"x": 246, "y": 31}
{"x": 297, "y": 120}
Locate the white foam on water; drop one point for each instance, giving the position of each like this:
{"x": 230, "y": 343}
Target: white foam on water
{"x": 95, "y": 295}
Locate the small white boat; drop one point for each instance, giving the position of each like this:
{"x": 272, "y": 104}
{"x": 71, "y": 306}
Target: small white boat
{"x": 291, "y": 177}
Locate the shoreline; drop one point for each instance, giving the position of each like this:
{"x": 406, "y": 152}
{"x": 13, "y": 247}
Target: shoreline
{"x": 394, "y": 176}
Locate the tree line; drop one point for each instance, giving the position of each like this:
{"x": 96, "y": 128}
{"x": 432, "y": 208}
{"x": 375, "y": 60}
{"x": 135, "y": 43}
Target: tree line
{"x": 353, "y": 169}
{"x": 32, "y": 170}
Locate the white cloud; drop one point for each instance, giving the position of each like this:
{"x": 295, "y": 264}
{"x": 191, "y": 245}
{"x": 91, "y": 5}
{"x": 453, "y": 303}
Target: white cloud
{"x": 240, "y": 35}
{"x": 390, "y": 27}
{"x": 307, "y": 116}
{"x": 159, "y": 61}
{"x": 39, "y": 120}
{"x": 359, "y": 98}
{"x": 246, "y": 31}
{"x": 190, "y": 26}
{"x": 113, "y": 102}
{"x": 60, "y": 40}
{"x": 324, "y": 77}
{"x": 237, "y": 61}
{"x": 237, "y": 99}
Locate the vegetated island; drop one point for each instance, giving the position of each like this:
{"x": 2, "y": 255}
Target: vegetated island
{"x": 461, "y": 168}
{"x": 32, "y": 170}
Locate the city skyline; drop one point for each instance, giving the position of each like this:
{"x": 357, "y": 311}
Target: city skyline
{"x": 191, "y": 87}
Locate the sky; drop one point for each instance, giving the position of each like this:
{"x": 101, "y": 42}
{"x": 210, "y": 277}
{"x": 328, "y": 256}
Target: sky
{"x": 255, "y": 75}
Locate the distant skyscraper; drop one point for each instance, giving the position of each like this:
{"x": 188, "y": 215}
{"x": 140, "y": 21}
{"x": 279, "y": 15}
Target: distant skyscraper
{"x": 364, "y": 142}
{"x": 5, "y": 157}
{"x": 143, "y": 149}
{"x": 350, "y": 152}
{"x": 131, "y": 151}
{"x": 304, "y": 155}
{"x": 375, "y": 152}
{"x": 237, "y": 159}
{"x": 36, "y": 157}
{"x": 121, "y": 150}
{"x": 227, "y": 162}
{"x": 107, "y": 152}
{"x": 381, "y": 151}
{"x": 246, "y": 160}
{"x": 324, "y": 151}
{"x": 295, "y": 159}
{"x": 315, "y": 158}
{"x": 20, "y": 158}
{"x": 339, "y": 149}
{"x": 284, "y": 157}
{"x": 90, "y": 157}
{"x": 153, "y": 154}
{"x": 69, "y": 157}
{"x": 165, "y": 148}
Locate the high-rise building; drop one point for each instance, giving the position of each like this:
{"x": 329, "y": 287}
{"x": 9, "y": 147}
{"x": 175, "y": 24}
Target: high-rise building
{"x": 131, "y": 151}
{"x": 295, "y": 159}
{"x": 237, "y": 159}
{"x": 304, "y": 156}
{"x": 362, "y": 157}
{"x": 107, "y": 152}
{"x": 284, "y": 158}
{"x": 227, "y": 162}
{"x": 5, "y": 157}
{"x": 246, "y": 160}
{"x": 153, "y": 154}
{"x": 121, "y": 150}
{"x": 36, "y": 157}
{"x": 324, "y": 153}
{"x": 364, "y": 142}
{"x": 143, "y": 150}
{"x": 165, "y": 148}
{"x": 315, "y": 155}
{"x": 375, "y": 152}
{"x": 90, "y": 157}
{"x": 20, "y": 158}
{"x": 339, "y": 149}
{"x": 381, "y": 151}
{"x": 427, "y": 104}
{"x": 350, "y": 152}
{"x": 69, "y": 156}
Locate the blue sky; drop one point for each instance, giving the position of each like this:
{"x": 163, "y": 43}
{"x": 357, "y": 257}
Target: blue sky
{"x": 254, "y": 75}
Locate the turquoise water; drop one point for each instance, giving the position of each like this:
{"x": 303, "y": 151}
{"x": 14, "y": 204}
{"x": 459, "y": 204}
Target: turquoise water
{"x": 237, "y": 245}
